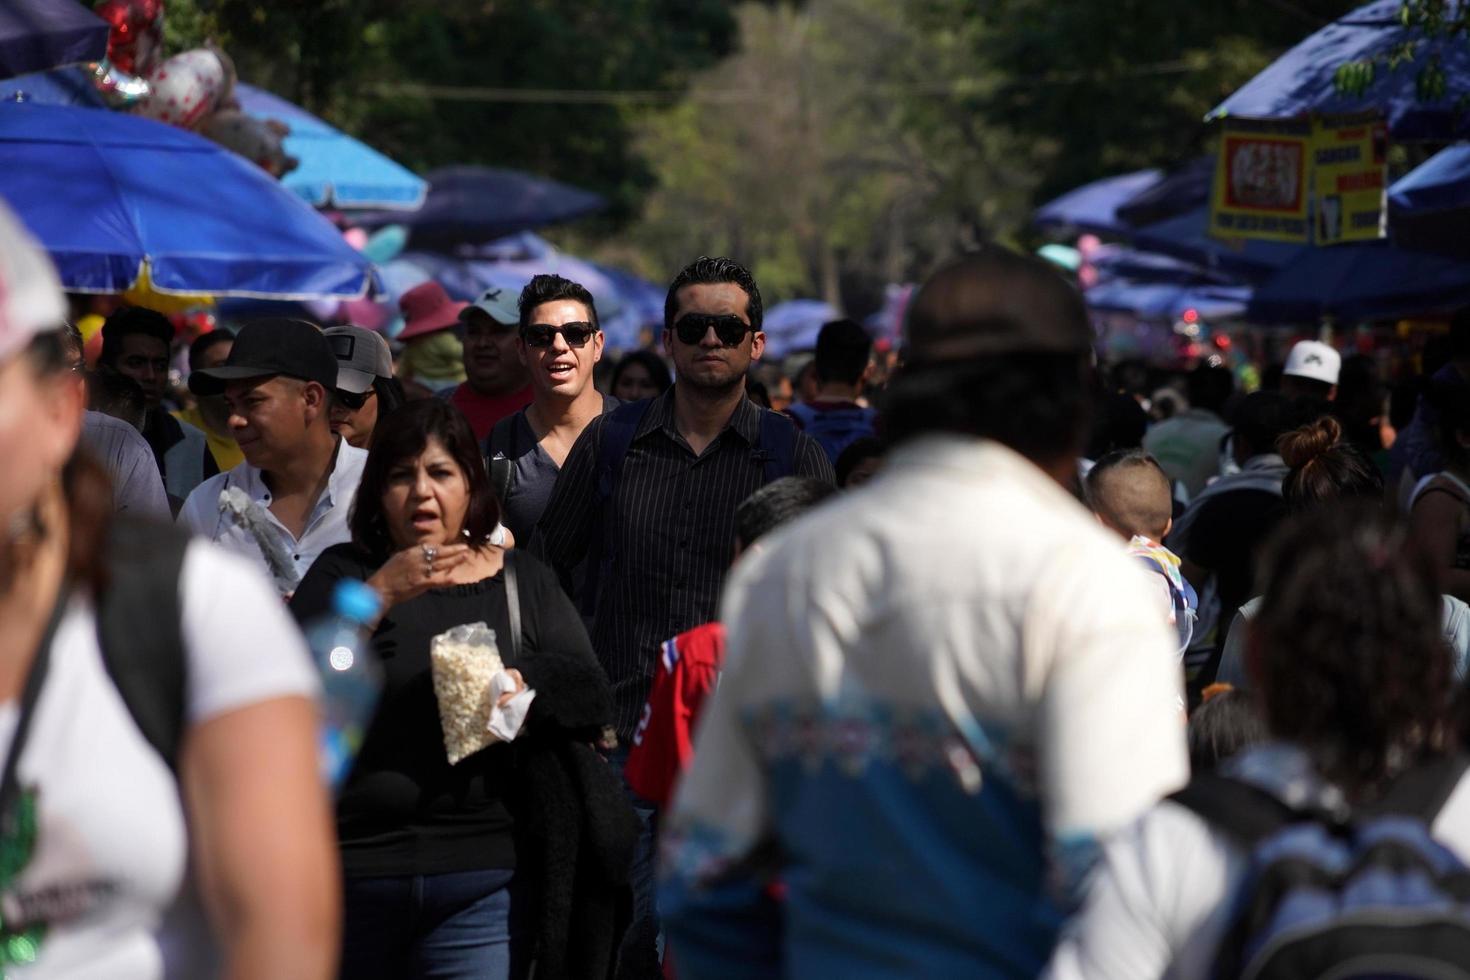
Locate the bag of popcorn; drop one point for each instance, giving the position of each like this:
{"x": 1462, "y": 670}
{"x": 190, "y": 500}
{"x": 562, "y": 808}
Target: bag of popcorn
{"x": 463, "y": 661}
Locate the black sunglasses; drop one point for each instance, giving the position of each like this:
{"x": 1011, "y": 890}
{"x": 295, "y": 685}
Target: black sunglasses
{"x": 729, "y": 328}
{"x": 352, "y": 400}
{"x": 544, "y": 334}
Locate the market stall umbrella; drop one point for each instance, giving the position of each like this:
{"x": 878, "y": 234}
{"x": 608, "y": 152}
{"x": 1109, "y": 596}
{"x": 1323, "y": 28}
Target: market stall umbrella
{"x": 1429, "y": 207}
{"x": 1094, "y": 207}
{"x": 106, "y": 192}
{"x": 793, "y": 325}
{"x": 1361, "y": 281}
{"x": 1168, "y": 300}
{"x": 470, "y": 205}
{"x": 58, "y": 86}
{"x": 39, "y": 34}
{"x": 1182, "y": 189}
{"x": 1303, "y": 80}
{"x": 334, "y": 168}
{"x": 1186, "y": 236}
{"x": 1123, "y": 262}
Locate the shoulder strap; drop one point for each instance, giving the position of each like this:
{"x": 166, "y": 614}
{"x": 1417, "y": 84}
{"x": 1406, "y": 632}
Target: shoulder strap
{"x": 499, "y": 450}
{"x": 138, "y": 628}
{"x": 615, "y": 439}
{"x": 1247, "y": 814}
{"x": 1422, "y": 791}
{"x": 777, "y": 444}
{"x": 513, "y": 604}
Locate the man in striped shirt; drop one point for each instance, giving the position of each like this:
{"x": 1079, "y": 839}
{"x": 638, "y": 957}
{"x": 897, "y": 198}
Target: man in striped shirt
{"x": 655, "y": 522}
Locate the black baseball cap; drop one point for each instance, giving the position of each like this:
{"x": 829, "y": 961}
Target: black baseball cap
{"x": 278, "y": 345}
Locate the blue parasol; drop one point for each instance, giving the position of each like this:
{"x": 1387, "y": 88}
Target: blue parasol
{"x": 106, "y": 192}
{"x": 1429, "y": 207}
{"x": 793, "y": 325}
{"x": 1094, "y": 207}
{"x": 39, "y": 34}
{"x": 1361, "y": 281}
{"x": 471, "y": 205}
{"x": 1187, "y": 236}
{"x": 1303, "y": 80}
{"x": 334, "y": 169}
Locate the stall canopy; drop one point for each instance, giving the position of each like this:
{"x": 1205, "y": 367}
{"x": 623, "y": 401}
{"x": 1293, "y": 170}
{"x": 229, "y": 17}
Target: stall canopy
{"x": 1429, "y": 207}
{"x": 472, "y": 205}
{"x": 1303, "y": 80}
{"x": 1359, "y": 281}
{"x": 1169, "y": 301}
{"x": 106, "y": 192}
{"x": 1186, "y": 236}
{"x": 1182, "y": 189}
{"x": 334, "y": 169}
{"x": 1094, "y": 207}
{"x": 793, "y": 325}
{"x": 39, "y": 34}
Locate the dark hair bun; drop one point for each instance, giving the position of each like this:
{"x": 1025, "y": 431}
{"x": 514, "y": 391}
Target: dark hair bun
{"x": 1300, "y": 446}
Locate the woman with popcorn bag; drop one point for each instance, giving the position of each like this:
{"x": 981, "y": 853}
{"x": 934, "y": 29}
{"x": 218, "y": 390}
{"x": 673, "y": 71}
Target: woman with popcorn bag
{"x": 477, "y": 823}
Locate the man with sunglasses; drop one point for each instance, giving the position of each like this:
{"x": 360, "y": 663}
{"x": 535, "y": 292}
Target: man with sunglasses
{"x": 647, "y": 496}
{"x": 560, "y": 343}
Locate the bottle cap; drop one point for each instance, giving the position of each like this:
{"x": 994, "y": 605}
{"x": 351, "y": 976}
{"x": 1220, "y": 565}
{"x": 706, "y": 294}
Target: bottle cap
{"x": 356, "y": 601}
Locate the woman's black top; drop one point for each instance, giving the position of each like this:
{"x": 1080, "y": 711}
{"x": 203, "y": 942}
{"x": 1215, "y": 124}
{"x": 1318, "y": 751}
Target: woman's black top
{"x": 404, "y": 809}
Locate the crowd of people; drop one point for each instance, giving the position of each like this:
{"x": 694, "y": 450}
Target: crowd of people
{"x": 1002, "y": 663}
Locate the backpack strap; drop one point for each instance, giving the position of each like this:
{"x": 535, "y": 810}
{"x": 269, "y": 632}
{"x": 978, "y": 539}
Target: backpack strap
{"x": 615, "y": 439}
{"x": 138, "y": 628}
{"x": 500, "y": 454}
{"x": 1246, "y": 814}
{"x": 513, "y": 604}
{"x": 1421, "y": 791}
{"x": 776, "y": 445}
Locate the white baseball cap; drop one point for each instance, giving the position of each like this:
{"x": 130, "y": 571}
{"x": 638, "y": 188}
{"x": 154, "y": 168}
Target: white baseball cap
{"x": 31, "y": 301}
{"x": 1314, "y": 360}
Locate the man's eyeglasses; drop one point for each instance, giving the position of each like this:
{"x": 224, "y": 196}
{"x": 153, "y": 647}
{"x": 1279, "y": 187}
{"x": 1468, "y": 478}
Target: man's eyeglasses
{"x": 729, "y": 328}
{"x": 351, "y": 400}
{"x": 542, "y": 335}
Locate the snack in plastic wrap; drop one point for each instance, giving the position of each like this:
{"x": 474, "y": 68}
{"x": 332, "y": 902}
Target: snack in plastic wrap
{"x": 463, "y": 661}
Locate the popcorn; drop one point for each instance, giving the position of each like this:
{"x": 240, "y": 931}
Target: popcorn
{"x": 464, "y": 662}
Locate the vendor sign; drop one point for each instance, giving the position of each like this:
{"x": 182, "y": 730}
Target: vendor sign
{"x": 1262, "y": 184}
{"x": 1349, "y": 162}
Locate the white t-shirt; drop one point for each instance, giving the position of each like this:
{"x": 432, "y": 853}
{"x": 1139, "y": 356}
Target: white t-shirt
{"x": 105, "y": 881}
{"x": 1162, "y": 898}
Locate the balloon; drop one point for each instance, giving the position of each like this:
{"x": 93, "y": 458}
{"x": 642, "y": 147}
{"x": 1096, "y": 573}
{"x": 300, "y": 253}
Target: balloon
{"x": 257, "y": 140}
{"x": 117, "y": 88}
{"x": 189, "y": 87}
{"x": 386, "y": 243}
{"x": 135, "y": 40}
{"x": 356, "y": 237}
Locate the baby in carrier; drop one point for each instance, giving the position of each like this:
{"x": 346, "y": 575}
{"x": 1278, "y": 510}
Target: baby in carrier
{"x": 1129, "y": 493}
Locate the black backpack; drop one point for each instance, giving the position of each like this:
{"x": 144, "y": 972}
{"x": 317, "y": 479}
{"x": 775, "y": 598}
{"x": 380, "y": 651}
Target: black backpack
{"x": 1363, "y": 895}
{"x": 139, "y": 613}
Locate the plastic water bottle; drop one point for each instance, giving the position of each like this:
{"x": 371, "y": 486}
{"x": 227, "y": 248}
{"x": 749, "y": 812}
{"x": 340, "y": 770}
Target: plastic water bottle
{"x": 351, "y": 677}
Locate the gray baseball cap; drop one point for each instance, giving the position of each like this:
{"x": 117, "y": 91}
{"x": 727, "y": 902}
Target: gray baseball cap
{"x": 500, "y": 305}
{"x": 362, "y": 355}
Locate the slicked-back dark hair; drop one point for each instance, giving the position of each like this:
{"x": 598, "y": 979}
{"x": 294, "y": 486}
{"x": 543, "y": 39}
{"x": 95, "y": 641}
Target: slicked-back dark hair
{"x": 548, "y": 288}
{"x": 402, "y": 435}
{"x": 706, "y": 270}
{"x": 776, "y": 503}
{"x": 128, "y": 321}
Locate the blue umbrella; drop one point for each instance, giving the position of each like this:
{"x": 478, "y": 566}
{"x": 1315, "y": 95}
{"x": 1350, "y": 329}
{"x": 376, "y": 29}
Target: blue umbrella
{"x": 793, "y": 325}
{"x": 1094, "y": 207}
{"x": 106, "y": 192}
{"x": 1168, "y": 301}
{"x": 1186, "y": 236}
{"x": 334, "y": 168}
{"x": 1361, "y": 281}
{"x": 1429, "y": 207}
{"x": 59, "y": 86}
{"x": 470, "y": 205}
{"x": 1122, "y": 262}
{"x": 1302, "y": 81}
{"x": 1181, "y": 189}
{"x": 39, "y": 34}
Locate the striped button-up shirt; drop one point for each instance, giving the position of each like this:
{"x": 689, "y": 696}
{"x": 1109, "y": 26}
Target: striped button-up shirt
{"x": 672, "y": 536}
